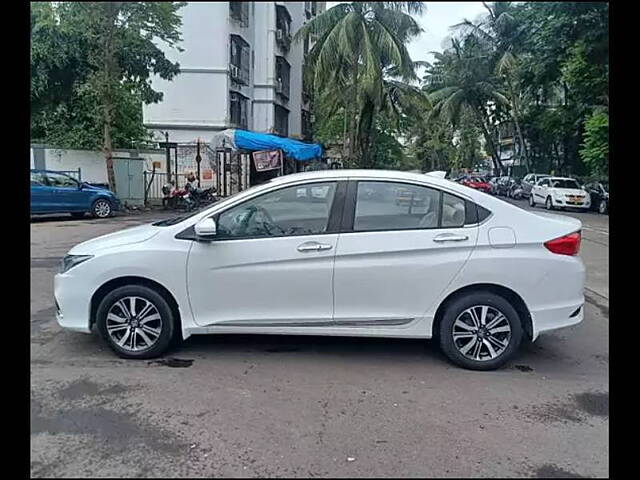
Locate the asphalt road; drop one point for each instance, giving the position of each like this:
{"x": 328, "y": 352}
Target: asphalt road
{"x": 263, "y": 406}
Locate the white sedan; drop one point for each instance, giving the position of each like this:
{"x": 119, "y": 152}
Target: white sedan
{"x": 559, "y": 192}
{"x": 474, "y": 272}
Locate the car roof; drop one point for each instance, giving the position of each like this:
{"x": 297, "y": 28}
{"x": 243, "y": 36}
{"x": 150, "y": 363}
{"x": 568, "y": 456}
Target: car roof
{"x": 390, "y": 175}
{"x": 562, "y": 178}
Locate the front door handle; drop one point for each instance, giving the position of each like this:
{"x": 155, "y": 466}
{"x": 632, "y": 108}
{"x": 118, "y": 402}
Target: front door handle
{"x": 313, "y": 247}
{"x": 450, "y": 237}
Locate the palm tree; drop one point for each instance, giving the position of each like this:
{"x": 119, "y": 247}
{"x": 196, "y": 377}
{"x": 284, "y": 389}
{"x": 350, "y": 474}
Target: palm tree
{"x": 499, "y": 31}
{"x": 465, "y": 82}
{"x": 356, "y": 44}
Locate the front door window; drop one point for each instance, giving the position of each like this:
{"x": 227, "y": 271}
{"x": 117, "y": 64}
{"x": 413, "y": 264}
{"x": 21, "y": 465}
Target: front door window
{"x": 297, "y": 210}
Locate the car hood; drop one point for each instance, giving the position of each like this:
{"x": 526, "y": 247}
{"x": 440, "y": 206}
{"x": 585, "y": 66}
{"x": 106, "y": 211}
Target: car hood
{"x": 128, "y": 236}
{"x": 569, "y": 191}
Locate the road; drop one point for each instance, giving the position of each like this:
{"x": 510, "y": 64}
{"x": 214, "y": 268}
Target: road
{"x": 262, "y": 406}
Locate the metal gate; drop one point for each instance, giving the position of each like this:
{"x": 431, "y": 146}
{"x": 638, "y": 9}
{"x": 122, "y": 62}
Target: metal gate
{"x": 233, "y": 171}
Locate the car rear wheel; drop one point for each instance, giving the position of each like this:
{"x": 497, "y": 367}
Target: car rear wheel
{"x": 136, "y": 322}
{"x": 480, "y": 331}
{"x": 602, "y": 207}
{"x": 101, "y": 208}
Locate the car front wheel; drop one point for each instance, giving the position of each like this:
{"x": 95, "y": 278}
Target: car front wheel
{"x": 549, "y": 203}
{"x": 136, "y": 322}
{"x": 532, "y": 203}
{"x": 480, "y": 331}
{"x": 602, "y": 207}
{"x": 101, "y": 208}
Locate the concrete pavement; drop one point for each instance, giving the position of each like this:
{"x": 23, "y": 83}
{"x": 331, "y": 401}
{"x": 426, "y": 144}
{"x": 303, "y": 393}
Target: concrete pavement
{"x": 249, "y": 406}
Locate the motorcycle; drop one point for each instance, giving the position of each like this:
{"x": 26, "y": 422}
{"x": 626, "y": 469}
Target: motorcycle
{"x": 199, "y": 197}
{"x": 516, "y": 191}
{"x": 176, "y": 198}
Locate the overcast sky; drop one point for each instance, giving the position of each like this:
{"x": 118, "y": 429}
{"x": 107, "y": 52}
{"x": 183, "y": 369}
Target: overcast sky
{"x": 435, "y": 21}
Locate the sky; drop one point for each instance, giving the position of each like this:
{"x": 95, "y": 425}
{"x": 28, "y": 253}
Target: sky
{"x": 435, "y": 21}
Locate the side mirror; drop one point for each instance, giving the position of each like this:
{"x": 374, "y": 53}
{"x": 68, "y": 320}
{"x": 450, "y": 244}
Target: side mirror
{"x": 205, "y": 229}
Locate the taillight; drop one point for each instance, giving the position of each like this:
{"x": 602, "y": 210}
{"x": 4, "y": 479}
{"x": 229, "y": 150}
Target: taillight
{"x": 567, "y": 245}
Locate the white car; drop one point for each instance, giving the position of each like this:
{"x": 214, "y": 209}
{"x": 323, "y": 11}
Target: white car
{"x": 268, "y": 261}
{"x": 559, "y": 192}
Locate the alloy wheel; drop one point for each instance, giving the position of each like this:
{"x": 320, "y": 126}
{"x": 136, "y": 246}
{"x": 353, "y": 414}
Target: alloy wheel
{"x": 548, "y": 204}
{"x": 602, "y": 207}
{"x": 481, "y": 333}
{"x": 102, "y": 209}
{"x": 134, "y": 323}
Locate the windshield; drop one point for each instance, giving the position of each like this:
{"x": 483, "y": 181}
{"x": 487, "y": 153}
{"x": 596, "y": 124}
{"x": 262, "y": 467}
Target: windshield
{"x": 565, "y": 184}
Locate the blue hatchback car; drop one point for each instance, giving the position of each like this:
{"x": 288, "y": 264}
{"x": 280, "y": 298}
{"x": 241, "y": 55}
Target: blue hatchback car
{"x": 55, "y": 192}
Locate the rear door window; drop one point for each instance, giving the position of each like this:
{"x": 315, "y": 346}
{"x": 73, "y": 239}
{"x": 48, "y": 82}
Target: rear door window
{"x": 395, "y": 206}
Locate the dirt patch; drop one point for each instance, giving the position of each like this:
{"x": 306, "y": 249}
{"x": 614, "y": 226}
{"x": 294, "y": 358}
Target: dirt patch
{"x": 86, "y": 388}
{"x": 553, "y": 471}
{"x": 121, "y": 430}
{"x": 593, "y": 403}
{"x": 576, "y": 409}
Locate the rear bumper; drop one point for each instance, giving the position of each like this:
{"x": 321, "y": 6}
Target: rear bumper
{"x": 562, "y": 316}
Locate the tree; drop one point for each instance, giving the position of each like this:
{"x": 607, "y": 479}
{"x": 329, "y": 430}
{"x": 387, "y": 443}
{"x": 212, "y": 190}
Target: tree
{"x": 595, "y": 149}
{"x": 108, "y": 61}
{"x": 461, "y": 80}
{"x": 357, "y": 45}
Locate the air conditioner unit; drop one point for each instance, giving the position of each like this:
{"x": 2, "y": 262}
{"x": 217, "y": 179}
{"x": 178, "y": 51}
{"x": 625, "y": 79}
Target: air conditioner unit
{"x": 235, "y": 71}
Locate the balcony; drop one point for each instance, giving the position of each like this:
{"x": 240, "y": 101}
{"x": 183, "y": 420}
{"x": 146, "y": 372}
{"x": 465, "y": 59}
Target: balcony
{"x": 239, "y": 60}
{"x": 283, "y": 27}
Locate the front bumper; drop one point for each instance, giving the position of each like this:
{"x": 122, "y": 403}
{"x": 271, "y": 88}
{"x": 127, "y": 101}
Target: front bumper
{"x": 72, "y": 300}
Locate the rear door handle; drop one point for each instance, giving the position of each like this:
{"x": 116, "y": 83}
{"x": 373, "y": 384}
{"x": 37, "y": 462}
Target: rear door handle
{"x": 314, "y": 247}
{"x": 450, "y": 237}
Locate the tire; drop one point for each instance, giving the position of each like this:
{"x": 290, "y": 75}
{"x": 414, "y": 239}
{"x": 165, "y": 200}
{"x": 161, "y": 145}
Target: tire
{"x": 548, "y": 203}
{"x": 135, "y": 345}
{"x": 457, "y": 311}
{"x": 101, "y": 208}
{"x": 532, "y": 202}
{"x": 603, "y": 207}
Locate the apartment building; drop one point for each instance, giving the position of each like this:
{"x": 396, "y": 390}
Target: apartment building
{"x": 239, "y": 69}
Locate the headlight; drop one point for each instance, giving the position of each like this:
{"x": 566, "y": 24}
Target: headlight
{"x": 70, "y": 261}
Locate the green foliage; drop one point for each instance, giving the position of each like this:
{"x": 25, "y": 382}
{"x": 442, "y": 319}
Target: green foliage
{"x": 595, "y": 149}
{"x": 91, "y": 68}
{"x": 360, "y": 47}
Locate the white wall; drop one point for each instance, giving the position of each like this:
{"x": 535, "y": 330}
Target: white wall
{"x": 92, "y": 163}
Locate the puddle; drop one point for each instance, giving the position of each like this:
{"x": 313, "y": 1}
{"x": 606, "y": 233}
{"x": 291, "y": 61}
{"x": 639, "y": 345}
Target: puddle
{"x": 172, "y": 362}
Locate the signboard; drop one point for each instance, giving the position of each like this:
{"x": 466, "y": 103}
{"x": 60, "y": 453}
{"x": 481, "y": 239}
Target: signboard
{"x": 267, "y": 160}
{"x": 207, "y": 174}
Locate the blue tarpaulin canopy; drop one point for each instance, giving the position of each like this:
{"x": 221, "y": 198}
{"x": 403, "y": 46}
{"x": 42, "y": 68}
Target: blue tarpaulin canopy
{"x": 246, "y": 140}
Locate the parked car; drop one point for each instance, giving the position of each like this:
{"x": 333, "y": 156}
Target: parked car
{"x": 476, "y": 182}
{"x": 599, "y": 193}
{"x": 265, "y": 262}
{"x": 559, "y": 192}
{"x": 503, "y": 185}
{"x": 55, "y": 192}
{"x": 529, "y": 181}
